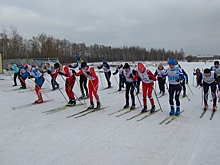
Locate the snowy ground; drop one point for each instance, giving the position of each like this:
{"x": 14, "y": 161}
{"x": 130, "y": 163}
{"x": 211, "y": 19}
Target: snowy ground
{"x": 30, "y": 137}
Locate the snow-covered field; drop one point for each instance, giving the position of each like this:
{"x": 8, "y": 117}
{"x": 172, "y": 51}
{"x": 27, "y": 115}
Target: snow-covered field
{"x": 30, "y": 137}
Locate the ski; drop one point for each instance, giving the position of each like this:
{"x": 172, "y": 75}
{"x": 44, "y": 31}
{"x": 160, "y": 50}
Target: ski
{"x": 148, "y": 115}
{"x": 212, "y": 115}
{"x": 139, "y": 114}
{"x": 167, "y": 118}
{"x": 29, "y": 105}
{"x": 161, "y": 96}
{"x": 203, "y": 113}
{"x": 130, "y": 110}
{"x": 118, "y": 111}
{"x": 113, "y": 92}
{"x": 91, "y": 111}
{"x": 79, "y": 113}
{"x": 174, "y": 117}
{"x": 60, "y": 108}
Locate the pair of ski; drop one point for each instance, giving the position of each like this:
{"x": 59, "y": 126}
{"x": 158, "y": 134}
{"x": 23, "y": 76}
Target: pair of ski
{"x": 171, "y": 118}
{"x": 31, "y": 104}
{"x": 60, "y": 108}
{"x": 86, "y": 112}
{"x": 212, "y": 115}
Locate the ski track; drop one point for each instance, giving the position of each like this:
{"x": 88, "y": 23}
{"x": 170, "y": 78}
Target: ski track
{"x": 28, "y": 136}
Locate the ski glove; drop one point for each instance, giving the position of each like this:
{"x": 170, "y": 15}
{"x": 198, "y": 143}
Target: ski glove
{"x": 73, "y": 71}
{"x": 61, "y": 73}
{"x": 88, "y": 73}
{"x": 48, "y": 71}
{"x": 131, "y": 76}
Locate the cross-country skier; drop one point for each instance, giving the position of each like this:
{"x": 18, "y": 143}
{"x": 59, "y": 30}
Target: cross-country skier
{"x": 209, "y": 79}
{"x": 93, "y": 84}
{"x": 23, "y": 74}
{"x": 198, "y": 74}
{"x": 119, "y": 70}
{"x": 148, "y": 79}
{"x": 51, "y": 71}
{"x": 16, "y": 72}
{"x": 39, "y": 80}
{"x": 128, "y": 74}
{"x": 106, "y": 68}
{"x": 161, "y": 80}
{"x": 175, "y": 75}
{"x": 216, "y": 69}
{"x": 70, "y": 81}
{"x": 82, "y": 79}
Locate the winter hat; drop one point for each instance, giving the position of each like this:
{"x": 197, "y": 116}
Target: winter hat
{"x": 126, "y": 66}
{"x": 172, "y": 62}
{"x": 140, "y": 66}
{"x": 56, "y": 65}
{"x": 216, "y": 63}
{"x": 77, "y": 58}
{"x": 19, "y": 64}
{"x": 83, "y": 64}
{"x": 27, "y": 67}
{"x": 207, "y": 70}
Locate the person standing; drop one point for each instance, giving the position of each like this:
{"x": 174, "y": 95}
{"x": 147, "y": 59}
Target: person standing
{"x": 175, "y": 75}
{"x": 93, "y": 84}
{"x": 51, "y": 71}
{"x": 69, "y": 83}
{"x": 148, "y": 79}
{"x": 106, "y": 68}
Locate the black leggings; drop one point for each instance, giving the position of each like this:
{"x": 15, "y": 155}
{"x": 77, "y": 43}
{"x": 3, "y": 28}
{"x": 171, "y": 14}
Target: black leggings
{"x": 161, "y": 83}
{"x": 206, "y": 92}
{"x": 130, "y": 87}
{"x": 83, "y": 84}
{"x": 108, "y": 76}
{"x": 15, "y": 78}
{"x": 174, "y": 89}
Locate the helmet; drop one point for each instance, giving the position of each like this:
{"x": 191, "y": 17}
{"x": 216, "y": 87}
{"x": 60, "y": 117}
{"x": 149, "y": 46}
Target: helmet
{"x": 140, "y": 66}
{"x": 83, "y": 64}
{"x": 78, "y": 58}
{"x": 172, "y": 62}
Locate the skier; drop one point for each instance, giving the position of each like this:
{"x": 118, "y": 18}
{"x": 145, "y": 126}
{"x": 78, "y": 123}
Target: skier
{"x": 148, "y": 79}
{"x": 198, "y": 74}
{"x": 119, "y": 70}
{"x": 82, "y": 79}
{"x": 93, "y": 84}
{"x": 51, "y": 71}
{"x": 23, "y": 74}
{"x": 106, "y": 68}
{"x": 175, "y": 75}
{"x": 70, "y": 81}
{"x": 39, "y": 80}
{"x": 209, "y": 79}
{"x": 128, "y": 74}
{"x": 161, "y": 80}
{"x": 16, "y": 72}
{"x": 216, "y": 69}
{"x": 184, "y": 81}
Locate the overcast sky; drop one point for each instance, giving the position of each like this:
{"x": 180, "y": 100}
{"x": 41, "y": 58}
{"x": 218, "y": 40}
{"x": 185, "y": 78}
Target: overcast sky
{"x": 193, "y": 25}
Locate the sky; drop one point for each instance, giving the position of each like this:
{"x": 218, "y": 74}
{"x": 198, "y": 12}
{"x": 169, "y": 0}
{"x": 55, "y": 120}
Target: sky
{"x": 193, "y": 25}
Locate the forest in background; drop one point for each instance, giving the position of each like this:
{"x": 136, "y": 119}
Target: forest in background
{"x": 15, "y": 46}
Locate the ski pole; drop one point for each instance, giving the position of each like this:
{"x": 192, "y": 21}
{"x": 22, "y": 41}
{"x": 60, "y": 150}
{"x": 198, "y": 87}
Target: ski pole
{"x": 116, "y": 79}
{"x": 73, "y": 92}
{"x": 10, "y": 75}
{"x": 137, "y": 94}
{"x": 41, "y": 89}
{"x": 27, "y": 85}
{"x": 77, "y": 81}
{"x": 59, "y": 90}
{"x": 190, "y": 89}
{"x": 101, "y": 80}
{"x": 193, "y": 76}
{"x": 157, "y": 100}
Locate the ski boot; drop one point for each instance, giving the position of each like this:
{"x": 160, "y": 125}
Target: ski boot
{"x": 144, "y": 109}
{"x": 98, "y": 105}
{"x": 184, "y": 94}
{"x": 205, "y": 107}
{"x": 91, "y": 105}
{"x": 126, "y": 106}
{"x": 214, "y": 108}
{"x": 72, "y": 102}
{"x": 132, "y": 107}
{"x": 177, "y": 111}
{"x": 38, "y": 101}
{"x": 152, "y": 109}
{"x": 171, "y": 110}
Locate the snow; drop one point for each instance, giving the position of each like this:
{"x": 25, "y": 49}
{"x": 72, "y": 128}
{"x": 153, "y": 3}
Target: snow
{"x": 28, "y": 136}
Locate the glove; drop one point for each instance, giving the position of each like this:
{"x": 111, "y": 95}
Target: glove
{"x": 178, "y": 80}
{"x": 186, "y": 82}
{"x": 150, "y": 78}
{"x": 131, "y": 76}
{"x": 70, "y": 66}
{"x": 61, "y": 73}
{"x": 88, "y": 73}
{"x": 73, "y": 71}
{"x": 114, "y": 73}
{"x": 48, "y": 71}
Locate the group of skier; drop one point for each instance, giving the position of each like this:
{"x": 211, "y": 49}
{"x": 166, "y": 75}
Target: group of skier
{"x": 128, "y": 76}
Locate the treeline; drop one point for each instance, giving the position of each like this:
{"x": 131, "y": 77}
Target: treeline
{"x": 14, "y": 45}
